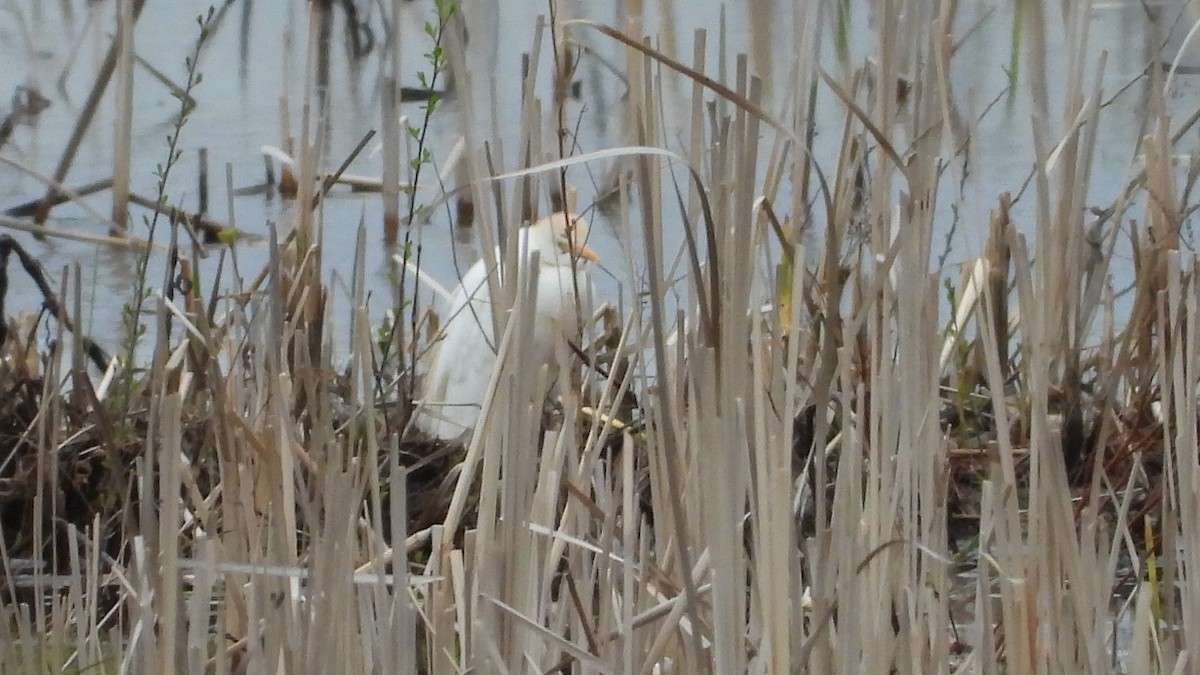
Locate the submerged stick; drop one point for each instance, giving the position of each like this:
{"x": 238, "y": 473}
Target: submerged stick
{"x": 59, "y": 195}
{"x": 176, "y": 90}
{"x": 86, "y": 115}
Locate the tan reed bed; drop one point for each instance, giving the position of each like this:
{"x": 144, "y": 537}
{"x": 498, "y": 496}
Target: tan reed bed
{"x": 759, "y": 480}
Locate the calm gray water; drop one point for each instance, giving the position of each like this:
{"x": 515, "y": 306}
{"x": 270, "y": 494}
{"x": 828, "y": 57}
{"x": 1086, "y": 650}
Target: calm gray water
{"x": 247, "y": 63}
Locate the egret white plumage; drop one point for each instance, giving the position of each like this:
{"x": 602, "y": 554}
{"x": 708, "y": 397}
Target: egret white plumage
{"x": 456, "y": 384}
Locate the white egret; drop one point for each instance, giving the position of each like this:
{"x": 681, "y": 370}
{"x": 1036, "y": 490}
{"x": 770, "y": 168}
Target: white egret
{"x": 465, "y": 357}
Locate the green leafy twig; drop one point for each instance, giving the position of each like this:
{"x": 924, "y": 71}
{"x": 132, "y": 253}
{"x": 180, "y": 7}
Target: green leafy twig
{"x": 131, "y": 325}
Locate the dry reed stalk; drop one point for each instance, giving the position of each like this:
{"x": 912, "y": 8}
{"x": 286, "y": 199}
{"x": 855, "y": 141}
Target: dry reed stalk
{"x": 123, "y": 126}
{"x": 997, "y": 256}
{"x": 1180, "y": 329}
{"x": 392, "y": 131}
{"x": 288, "y": 185}
{"x": 22, "y": 225}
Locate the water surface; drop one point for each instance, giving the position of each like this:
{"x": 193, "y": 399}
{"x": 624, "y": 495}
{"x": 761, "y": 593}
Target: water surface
{"x": 256, "y": 56}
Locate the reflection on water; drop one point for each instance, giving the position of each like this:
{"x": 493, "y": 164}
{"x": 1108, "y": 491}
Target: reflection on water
{"x": 254, "y": 69}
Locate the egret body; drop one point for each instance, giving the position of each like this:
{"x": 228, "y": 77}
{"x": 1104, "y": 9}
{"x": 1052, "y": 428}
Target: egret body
{"x": 464, "y": 359}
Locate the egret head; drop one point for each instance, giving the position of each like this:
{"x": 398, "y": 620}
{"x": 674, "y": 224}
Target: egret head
{"x": 560, "y": 238}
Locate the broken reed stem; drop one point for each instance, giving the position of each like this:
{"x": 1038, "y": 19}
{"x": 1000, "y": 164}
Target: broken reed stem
{"x": 202, "y": 188}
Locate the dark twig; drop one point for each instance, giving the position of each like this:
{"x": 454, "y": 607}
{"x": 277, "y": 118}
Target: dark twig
{"x": 333, "y": 177}
{"x": 49, "y": 300}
